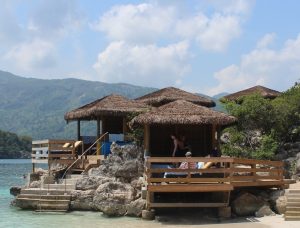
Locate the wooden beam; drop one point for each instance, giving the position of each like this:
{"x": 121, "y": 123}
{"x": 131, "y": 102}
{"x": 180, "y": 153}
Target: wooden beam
{"x": 147, "y": 139}
{"x": 125, "y": 129}
{"x": 78, "y": 130}
{"x": 190, "y": 188}
{"x": 213, "y": 136}
{"x": 98, "y": 136}
{"x": 176, "y": 205}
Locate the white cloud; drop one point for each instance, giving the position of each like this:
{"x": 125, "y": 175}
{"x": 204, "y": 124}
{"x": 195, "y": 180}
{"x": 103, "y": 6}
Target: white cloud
{"x": 136, "y": 23}
{"x": 277, "y": 69}
{"x": 266, "y": 40}
{"x": 35, "y": 54}
{"x": 50, "y": 19}
{"x": 146, "y": 65}
{"x": 153, "y": 22}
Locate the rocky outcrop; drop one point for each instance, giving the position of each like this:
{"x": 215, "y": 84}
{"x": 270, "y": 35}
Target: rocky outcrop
{"x": 265, "y": 210}
{"x": 82, "y": 200}
{"x": 246, "y": 204}
{"x": 15, "y": 190}
{"x": 290, "y": 154}
{"x": 114, "y": 188}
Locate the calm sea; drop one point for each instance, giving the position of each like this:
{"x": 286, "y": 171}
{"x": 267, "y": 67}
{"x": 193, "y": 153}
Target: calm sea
{"x": 11, "y": 174}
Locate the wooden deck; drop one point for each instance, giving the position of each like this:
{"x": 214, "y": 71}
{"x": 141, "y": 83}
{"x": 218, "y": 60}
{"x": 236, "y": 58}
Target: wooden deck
{"x": 225, "y": 175}
{"x": 64, "y": 152}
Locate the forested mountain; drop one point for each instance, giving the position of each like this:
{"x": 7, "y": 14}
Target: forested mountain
{"x": 13, "y": 146}
{"x": 36, "y": 107}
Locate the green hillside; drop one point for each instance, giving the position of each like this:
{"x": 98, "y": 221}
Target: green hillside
{"x": 13, "y": 146}
{"x": 36, "y": 107}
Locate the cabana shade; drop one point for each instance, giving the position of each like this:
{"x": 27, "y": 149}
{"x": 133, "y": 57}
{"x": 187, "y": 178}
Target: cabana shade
{"x": 263, "y": 91}
{"x": 170, "y": 94}
{"x": 183, "y": 112}
{"x": 112, "y": 105}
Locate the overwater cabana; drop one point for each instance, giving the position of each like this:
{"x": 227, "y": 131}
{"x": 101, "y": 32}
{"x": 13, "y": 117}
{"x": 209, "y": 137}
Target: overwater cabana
{"x": 169, "y": 94}
{"x": 110, "y": 114}
{"x": 196, "y": 187}
{"x": 200, "y": 125}
{"x": 261, "y": 90}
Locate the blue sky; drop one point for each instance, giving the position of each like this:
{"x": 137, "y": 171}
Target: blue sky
{"x": 206, "y": 46}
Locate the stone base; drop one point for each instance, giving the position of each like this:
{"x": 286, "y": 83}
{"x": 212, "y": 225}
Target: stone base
{"x": 224, "y": 212}
{"x": 148, "y": 215}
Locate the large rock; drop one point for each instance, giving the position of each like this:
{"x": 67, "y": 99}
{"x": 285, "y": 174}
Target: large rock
{"x": 82, "y": 200}
{"x": 247, "y": 204}
{"x": 277, "y": 201}
{"x": 264, "y": 211}
{"x": 136, "y": 207}
{"x": 91, "y": 182}
{"x": 15, "y": 190}
{"x": 112, "y": 198}
{"x": 35, "y": 184}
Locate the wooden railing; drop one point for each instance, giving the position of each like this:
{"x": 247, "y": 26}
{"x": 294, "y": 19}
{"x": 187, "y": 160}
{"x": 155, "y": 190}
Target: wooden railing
{"x": 234, "y": 172}
{"x": 45, "y": 150}
{"x": 224, "y": 175}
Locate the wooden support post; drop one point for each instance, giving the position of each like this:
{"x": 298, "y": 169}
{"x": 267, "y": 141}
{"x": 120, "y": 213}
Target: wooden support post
{"x": 219, "y": 139}
{"x": 98, "y": 136}
{"x": 33, "y": 167}
{"x": 213, "y": 136}
{"x": 78, "y": 130}
{"x": 147, "y": 139}
{"x": 124, "y": 125}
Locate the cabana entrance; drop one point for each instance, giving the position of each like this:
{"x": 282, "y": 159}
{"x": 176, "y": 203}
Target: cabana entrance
{"x": 201, "y": 139}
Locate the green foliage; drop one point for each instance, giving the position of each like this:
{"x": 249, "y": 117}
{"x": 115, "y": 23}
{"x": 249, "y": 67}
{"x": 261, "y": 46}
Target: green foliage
{"x": 263, "y": 124}
{"x": 13, "y": 146}
{"x": 36, "y": 107}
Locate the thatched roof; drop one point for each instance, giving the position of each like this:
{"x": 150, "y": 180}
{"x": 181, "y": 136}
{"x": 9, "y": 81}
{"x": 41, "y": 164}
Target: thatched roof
{"x": 170, "y": 94}
{"x": 183, "y": 112}
{"x": 112, "y": 105}
{"x": 263, "y": 91}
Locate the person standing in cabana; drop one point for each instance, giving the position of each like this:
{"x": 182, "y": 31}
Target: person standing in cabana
{"x": 180, "y": 146}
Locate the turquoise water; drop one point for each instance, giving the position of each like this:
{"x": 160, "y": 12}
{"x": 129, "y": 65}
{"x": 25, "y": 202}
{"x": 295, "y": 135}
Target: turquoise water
{"x": 11, "y": 174}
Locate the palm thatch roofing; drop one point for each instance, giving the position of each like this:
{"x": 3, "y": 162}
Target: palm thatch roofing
{"x": 112, "y": 105}
{"x": 261, "y": 90}
{"x": 170, "y": 94}
{"x": 183, "y": 112}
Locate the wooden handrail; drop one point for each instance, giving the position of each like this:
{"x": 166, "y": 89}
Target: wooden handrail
{"x": 83, "y": 154}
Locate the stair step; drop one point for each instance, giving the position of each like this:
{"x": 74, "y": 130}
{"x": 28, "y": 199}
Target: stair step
{"x": 293, "y": 204}
{"x": 293, "y": 195}
{"x": 60, "y": 186}
{"x": 44, "y": 200}
{"x": 50, "y": 211}
{"x": 289, "y": 208}
{"x": 293, "y": 199}
{"x": 292, "y": 218}
{"x": 293, "y": 191}
{"x": 37, "y": 196}
{"x": 39, "y": 191}
{"x": 292, "y": 213}
{"x": 45, "y": 206}
{"x": 54, "y": 201}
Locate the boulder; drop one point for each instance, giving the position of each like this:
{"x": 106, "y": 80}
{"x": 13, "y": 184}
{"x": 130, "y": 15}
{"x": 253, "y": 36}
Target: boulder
{"x": 91, "y": 182}
{"x": 136, "y": 207}
{"x": 246, "y": 204}
{"x": 35, "y": 184}
{"x": 82, "y": 200}
{"x": 15, "y": 190}
{"x": 265, "y": 210}
{"x": 277, "y": 201}
{"x": 112, "y": 198}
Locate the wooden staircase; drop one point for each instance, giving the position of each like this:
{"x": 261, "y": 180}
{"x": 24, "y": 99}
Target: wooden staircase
{"x": 293, "y": 204}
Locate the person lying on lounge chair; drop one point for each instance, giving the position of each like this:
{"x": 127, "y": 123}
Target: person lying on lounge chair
{"x": 187, "y": 165}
